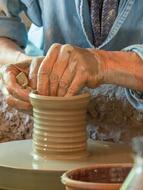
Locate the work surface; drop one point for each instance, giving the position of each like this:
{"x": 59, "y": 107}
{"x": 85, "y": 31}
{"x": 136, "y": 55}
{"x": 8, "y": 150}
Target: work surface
{"x": 19, "y": 171}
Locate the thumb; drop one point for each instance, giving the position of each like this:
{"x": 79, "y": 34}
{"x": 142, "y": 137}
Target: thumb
{"x": 23, "y": 66}
{"x": 33, "y": 71}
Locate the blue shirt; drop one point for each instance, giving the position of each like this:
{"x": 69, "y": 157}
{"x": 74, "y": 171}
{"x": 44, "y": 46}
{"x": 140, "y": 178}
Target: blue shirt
{"x": 68, "y": 21}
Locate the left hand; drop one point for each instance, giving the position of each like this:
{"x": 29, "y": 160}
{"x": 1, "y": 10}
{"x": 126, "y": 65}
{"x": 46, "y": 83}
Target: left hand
{"x": 66, "y": 69}
{"x": 17, "y": 80}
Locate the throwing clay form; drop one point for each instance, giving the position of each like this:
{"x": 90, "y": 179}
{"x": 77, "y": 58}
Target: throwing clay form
{"x": 59, "y": 126}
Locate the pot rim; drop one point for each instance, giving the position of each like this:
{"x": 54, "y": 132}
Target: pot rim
{"x": 91, "y": 185}
{"x": 57, "y": 98}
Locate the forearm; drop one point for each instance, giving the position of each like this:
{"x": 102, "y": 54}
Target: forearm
{"x": 10, "y": 52}
{"x": 123, "y": 68}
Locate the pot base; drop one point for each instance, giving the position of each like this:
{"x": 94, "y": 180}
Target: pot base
{"x": 71, "y": 156}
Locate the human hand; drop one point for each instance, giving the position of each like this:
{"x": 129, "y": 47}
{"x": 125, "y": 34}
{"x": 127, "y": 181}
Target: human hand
{"x": 17, "y": 80}
{"x": 66, "y": 69}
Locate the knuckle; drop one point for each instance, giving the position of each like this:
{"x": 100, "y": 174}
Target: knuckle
{"x": 54, "y": 46}
{"x": 51, "y": 52}
{"x": 42, "y": 74}
{"x": 53, "y": 91}
{"x": 54, "y": 78}
{"x": 63, "y": 84}
{"x": 67, "y": 48}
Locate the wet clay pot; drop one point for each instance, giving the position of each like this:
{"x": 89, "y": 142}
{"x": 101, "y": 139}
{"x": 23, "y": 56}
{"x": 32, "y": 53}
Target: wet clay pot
{"x": 59, "y": 126}
{"x": 98, "y": 177}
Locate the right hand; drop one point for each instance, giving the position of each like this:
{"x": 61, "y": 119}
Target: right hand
{"x": 67, "y": 69}
{"x": 16, "y": 96}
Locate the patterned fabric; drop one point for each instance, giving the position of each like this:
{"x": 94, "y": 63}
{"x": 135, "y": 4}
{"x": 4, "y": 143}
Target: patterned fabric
{"x": 103, "y": 14}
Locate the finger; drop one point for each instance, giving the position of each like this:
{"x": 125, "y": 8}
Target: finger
{"x": 46, "y": 68}
{"x": 18, "y": 104}
{"x": 33, "y": 73}
{"x": 23, "y": 65}
{"x": 59, "y": 68}
{"x": 15, "y": 89}
{"x": 67, "y": 79}
{"x": 77, "y": 84}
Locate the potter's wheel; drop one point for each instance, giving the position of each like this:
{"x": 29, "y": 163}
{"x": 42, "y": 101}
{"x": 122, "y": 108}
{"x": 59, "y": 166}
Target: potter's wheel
{"x": 18, "y": 170}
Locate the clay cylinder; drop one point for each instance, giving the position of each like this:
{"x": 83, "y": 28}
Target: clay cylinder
{"x": 59, "y": 126}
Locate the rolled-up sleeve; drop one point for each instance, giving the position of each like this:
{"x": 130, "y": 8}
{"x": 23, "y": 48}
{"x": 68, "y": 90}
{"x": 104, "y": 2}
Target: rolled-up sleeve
{"x": 133, "y": 96}
{"x": 10, "y": 22}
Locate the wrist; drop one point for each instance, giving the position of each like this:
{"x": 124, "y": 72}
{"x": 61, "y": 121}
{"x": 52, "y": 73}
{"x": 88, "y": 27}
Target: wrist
{"x": 102, "y": 65}
{"x": 123, "y": 68}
